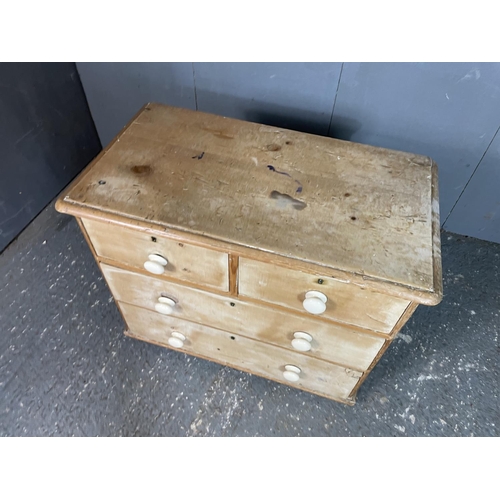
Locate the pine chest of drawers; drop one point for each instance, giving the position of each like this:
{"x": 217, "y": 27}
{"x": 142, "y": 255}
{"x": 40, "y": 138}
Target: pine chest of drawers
{"x": 291, "y": 256}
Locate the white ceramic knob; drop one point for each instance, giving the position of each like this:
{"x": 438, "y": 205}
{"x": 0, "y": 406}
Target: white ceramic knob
{"x": 315, "y": 302}
{"x": 291, "y": 373}
{"x": 165, "y": 305}
{"x": 155, "y": 264}
{"x": 302, "y": 341}
{"x": 176, "y": 340}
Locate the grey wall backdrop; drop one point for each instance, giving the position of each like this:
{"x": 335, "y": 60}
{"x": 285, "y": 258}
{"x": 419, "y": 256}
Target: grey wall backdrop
{"x": 449, "y": 111}
{"x": 46, "y": 137}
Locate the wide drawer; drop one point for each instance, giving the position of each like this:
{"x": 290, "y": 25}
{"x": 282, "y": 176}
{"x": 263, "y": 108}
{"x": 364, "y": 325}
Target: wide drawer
{"x": 134, "y": 248}
{"x": 346, "y": 302}
{"x": 330, "y": 342}
{"x": 240, "y": 352}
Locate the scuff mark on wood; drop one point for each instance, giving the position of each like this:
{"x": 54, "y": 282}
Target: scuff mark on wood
{"x": 219, "y": 133}
{"x": 141, "y": 169}
{"x": 285, "y": 200}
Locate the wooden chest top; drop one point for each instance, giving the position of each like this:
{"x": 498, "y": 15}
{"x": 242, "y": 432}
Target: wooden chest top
{"x": 371, "y": 215}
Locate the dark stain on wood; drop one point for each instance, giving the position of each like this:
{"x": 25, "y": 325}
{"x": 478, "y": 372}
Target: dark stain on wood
{"x": 141, "y": 169}
{"x": 272, "y": 169}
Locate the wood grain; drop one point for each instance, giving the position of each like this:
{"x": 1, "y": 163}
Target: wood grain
{"x": 346, "y": 303}
{"x": 388, "y": 288}
{"x": 362, "y": 210}
{"x": 436, "y": 234}
{"x": 94, "y": 254}
{"x": 185, "y": 262}
{"x": 320, "y": 377}
{"x": 233, "y": 274}
{"x": 331, "y": 342}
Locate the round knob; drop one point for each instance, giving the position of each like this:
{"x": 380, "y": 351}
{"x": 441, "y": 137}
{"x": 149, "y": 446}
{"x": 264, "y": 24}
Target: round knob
{"x": 291, "y": 373}
{"x": 155, "y": 264}
{"x": 302, "y": 341}
{"x": 165, "y": 305}
{"x": 176, "y": 340}
{"x": 315, "y": 302}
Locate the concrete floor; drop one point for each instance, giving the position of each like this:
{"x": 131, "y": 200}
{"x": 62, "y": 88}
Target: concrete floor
{"x": 67, "y": 369}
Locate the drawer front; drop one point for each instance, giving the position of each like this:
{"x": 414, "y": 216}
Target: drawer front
{"x": 329, "y": 341}
{"x": 240, "y": 352}
{"x": 346, "y": 303}
{"x": 185, "y": 262}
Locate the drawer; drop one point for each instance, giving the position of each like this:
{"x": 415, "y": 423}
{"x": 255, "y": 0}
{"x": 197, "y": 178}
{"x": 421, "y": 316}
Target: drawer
{"x": 345, "y": 302}
{"x": 330, "y": 342}
{"x": 240, "y": 352}
{"x": 185, "y": 262}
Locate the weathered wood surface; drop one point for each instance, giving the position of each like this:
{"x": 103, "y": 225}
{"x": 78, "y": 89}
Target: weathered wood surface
{"x": 345, "y": 206}
{"x": 331, "y": 342}
{"x": 346, "y": 303}
{"x": 185, "y": 262}
{"x": 262, "y": 359}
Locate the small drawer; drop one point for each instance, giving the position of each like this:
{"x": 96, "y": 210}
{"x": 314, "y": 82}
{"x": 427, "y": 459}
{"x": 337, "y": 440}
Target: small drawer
{"x": 159, "y": 255}
{"x": 320, "y": 296}
{"x": 331, "y": 342}
{"x": 239, "y": 352}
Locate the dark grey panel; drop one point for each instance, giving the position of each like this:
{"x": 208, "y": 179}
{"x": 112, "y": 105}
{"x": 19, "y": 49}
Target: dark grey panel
{"x": 449, "y": 111}
{"x": 477, "y": 212}
{"x": 116, "y": 91}
{"x": 46, "y": 138}
{"x": 298, "y": 96}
